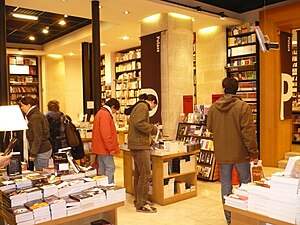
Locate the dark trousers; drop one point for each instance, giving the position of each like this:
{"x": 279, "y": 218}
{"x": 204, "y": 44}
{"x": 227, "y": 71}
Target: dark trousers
{"x": 142, "y": 176}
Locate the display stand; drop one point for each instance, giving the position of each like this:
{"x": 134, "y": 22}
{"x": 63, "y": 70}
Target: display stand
{"x": 244, "y": 217}
{"x": 108, "y": 213}
{"x": 158, "y": 177}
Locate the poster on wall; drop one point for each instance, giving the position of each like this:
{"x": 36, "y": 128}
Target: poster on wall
{"x": 151, "y": 68}
{"x": 286, "y": 78}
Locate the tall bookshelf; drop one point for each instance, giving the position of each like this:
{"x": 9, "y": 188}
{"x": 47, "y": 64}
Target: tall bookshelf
{"x": 243, "y": 64}
{"x": 296, "y": 96}
{"x": 105, "y": 87}
{"x": 23, "y": 76}
{"x": 128, "y": 80}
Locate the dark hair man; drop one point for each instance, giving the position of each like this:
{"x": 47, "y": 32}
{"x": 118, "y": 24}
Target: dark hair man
{"x": 231, "y": 121}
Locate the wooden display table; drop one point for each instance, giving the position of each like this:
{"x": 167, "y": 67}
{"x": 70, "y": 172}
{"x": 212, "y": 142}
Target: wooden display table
{"x": 108, "y": 213}
{"x": 158, "y": 177}
{"x": 245, "y": 217}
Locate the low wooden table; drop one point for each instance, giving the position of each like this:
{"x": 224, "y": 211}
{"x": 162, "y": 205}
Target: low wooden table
{"x": 245, "y": 217}
{"x": 108, "y": 213}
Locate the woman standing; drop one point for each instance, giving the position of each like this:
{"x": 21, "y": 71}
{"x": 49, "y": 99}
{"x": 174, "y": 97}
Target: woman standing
{"x": 38, "y": 136}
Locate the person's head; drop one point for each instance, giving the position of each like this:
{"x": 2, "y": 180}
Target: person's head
{"x": 230, "y": 85}
{"x": 113, "y": 104}
{"x": 53, "y": 105}
{"x": 102, "y": 102}
{"x": 152, "y": 100}
{"x": 26, "y": 102}
{"x": 143, "y": 96}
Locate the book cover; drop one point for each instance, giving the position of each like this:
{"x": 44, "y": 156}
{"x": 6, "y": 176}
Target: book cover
{"x": 35, "y": 204}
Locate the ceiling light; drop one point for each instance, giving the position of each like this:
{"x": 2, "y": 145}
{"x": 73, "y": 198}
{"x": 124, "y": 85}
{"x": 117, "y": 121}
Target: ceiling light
{"x": 62, "y": 22}
{"x": 180, "y": 16}
{"x": 124, "y": 38}
{"x": 152, "y": 18}
{"x": 55, "y": 56}
{"x": 71, "y": 54}
{"x": 65, "y": 15}
{"x": 31, "y": 38}
{"x": 126, "y": 12}
{"x": 45, "y": 30}
{"x": 103, "y": 44}
{"x": 24, "y": 16}
{"x": 100, "y": 6}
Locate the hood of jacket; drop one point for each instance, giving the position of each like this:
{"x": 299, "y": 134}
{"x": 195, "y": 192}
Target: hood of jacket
{"x": 226, "y": 102}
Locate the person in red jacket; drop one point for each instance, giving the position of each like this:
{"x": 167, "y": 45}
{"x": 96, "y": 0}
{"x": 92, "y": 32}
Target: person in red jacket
{"x": 104, "y": 138}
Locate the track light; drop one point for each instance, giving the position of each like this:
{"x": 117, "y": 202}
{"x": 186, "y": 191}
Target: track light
{"x": 24, "y": 16}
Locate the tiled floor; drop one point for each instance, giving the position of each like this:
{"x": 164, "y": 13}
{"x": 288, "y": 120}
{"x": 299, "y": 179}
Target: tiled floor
{"x": 205, "y": 209}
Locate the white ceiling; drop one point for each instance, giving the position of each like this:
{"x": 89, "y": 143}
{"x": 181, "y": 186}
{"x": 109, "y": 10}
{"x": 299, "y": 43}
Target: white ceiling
{"x": 115, "y": 23}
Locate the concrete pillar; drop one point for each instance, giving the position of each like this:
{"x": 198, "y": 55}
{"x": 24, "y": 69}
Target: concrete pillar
{"x": 176, "y": 64}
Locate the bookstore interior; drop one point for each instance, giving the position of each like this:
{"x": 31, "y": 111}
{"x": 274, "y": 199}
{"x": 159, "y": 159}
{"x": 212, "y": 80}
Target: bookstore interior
{"x": 261, "y": 42}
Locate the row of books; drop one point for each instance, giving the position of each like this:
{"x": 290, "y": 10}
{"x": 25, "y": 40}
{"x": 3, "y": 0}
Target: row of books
{"x": 23, "y": 89}
{"x": 206, "y": 157}
{"x": 247, "y": 75}
{"x": 54, "y": 207}
{"x": 207, "y": 144}
{"x": 204, "y": 171}
{"x": 235, "y": 41}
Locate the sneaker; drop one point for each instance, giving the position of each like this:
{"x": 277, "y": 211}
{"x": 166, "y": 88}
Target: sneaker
{"x": 150, "y": 203}
{"x": 147, "y": 209}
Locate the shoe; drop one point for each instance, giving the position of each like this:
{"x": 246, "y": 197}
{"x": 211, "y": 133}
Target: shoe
{"x": 147, "y": 209}
{"x": 150, "y": 203}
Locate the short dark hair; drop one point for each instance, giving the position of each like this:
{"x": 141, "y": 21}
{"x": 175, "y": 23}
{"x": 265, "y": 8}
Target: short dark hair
{"x": 152, "y": 97}
{"x": 53, "y": 105}
{"x": 29, "y": 100}
{"x": 113, "y": 102}
{"x": 230, "y": 85}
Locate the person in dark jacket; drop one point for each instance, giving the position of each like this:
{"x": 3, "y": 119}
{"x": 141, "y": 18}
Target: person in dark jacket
{"x": 57, "y": 129}
{"x": 139, "y": 141}
{"x": 231, "y": 121}
{"x": 37, "y": 134}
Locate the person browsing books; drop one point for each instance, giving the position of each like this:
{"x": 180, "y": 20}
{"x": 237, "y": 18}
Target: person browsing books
{"x": 230, "y": 120}
{"x": 139, "y": 141}
{"x": 104, "y": 138}
{"x": 38, "y": 134}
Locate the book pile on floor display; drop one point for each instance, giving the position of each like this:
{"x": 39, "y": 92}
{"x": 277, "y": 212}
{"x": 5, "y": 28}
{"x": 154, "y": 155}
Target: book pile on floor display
{"x": 277, "y": 196}
{"x": 35, "y": 198}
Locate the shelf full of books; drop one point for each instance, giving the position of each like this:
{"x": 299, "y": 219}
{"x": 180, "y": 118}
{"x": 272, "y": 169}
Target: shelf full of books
{"x": 105, "y": 86}
{"x": 243, "y": 64}
{"x": 128, "y": 80}
{"x": 197, "y": 134}
{"x": 24, "y": 78}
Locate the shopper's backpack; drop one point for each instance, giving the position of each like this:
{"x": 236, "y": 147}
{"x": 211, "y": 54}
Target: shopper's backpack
{"x": 73, "y": 137}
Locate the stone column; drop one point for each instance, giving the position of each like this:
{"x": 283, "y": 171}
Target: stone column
{"x": 176, "y": 64}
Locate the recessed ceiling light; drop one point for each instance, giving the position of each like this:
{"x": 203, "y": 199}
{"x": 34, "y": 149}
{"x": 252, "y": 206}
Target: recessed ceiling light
{"x": 103, "y": 44}
{"x": 126, "y": 12}
{"x": 31, "y": 38}
{"x": 71, "y": 54}
{"x": 24, "y": 16}
{"x": 124, "y": 38}
{"x": 45, "y": 30}
{"x": 62, "y": 22}
{"x": 100, "y": 6}
{"x": 65, "y": 15}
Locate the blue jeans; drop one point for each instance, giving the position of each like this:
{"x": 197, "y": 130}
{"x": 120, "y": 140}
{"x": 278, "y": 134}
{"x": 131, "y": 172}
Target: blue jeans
{"x": 243, "y": 170}
{"x": 42, "y": 160}
{"x": 106, "y": 167}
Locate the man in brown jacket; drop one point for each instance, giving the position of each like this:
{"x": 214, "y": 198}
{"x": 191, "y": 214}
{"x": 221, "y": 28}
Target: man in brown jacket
{"x": 139, "y": 141}
{"x": 231, "y": 121}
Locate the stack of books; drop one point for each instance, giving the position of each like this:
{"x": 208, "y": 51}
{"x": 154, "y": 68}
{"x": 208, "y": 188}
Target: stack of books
{"x": 72, "y": 206}
{"x": 115, "y": 193}
{"x": 86, "y": 200}
{"x": 49, "y": 189}
{"x": 98, "y": 194}
{"x": 22, "y": 215}
{"x": 7, "y": 184}
{"x": 13, "y": 197}
{"x": 259, "y": 196}
{"x": 101, "y": 180}
{"x": 237, "y": 201}
{"x": 23, "y": 182}
{"x": 283, "y": 198}
{"x": 33, "y": 193}
{"x": 57, "y": 207}
{"x": 40, "y": 209}
{"x": 63, "y": 189}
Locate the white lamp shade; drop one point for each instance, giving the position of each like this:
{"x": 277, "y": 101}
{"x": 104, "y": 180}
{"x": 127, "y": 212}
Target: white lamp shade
{"x": 11, "y": 118}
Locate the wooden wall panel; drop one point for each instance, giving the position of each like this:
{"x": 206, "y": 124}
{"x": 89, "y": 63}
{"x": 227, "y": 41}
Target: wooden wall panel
{"x": 275, "y": 137}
